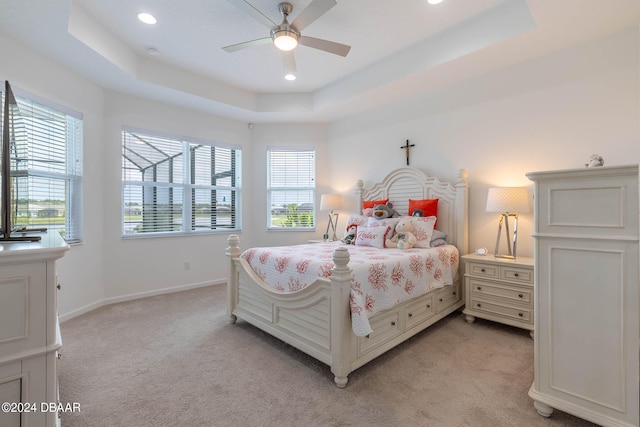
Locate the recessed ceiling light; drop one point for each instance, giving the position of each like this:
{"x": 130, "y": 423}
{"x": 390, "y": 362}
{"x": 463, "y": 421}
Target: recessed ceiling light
{"x": 147, "y": 18}
{"x": 290, "y": 77}
{"x": 434, "y": 1}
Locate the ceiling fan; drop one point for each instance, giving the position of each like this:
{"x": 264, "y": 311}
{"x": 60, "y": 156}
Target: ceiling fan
{"x": 286, "y": 36}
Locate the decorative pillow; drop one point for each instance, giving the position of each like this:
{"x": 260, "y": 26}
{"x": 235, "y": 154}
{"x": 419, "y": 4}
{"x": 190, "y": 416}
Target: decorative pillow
{"x": 429, "y": 207}
{"x": 387, "y": 222}
{"x": 438, "y": 235}
{"x": 437, "y": 242}
{"x": 371, "y": 203}
{"x": 372, "y": 236}
{"x": 423, "y": 229}
{"x": 355, "y": 219}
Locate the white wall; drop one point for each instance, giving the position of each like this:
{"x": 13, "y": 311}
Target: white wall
{"x": 282, "y": 135}
{"x": 80, "y": 271}
{"x": 549, "y": 113}
{"x": 147, "y": 265}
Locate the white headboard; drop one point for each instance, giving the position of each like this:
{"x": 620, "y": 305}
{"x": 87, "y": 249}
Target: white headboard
{"x": 407, "y": 183}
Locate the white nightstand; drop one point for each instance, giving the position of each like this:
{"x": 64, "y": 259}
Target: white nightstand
{"x": 499, "y": 289}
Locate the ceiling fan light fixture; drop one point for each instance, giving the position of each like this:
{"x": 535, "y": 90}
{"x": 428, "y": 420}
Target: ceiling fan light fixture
{"x": 434, "y": 1}
{"x": 285, "y": 40}
{"x": 290, "y": 76}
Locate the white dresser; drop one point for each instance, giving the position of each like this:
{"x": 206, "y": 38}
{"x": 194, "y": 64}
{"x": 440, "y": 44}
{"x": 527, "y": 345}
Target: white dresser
{"x": 586, "y": 294}
{"x": 29, "y": 331}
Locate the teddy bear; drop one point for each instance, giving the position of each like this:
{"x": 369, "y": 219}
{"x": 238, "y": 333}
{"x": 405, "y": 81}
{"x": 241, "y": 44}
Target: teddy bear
{"x": 403, "y": 237}
{"x": 384, "y": 211}
{"x": 349, "y": 237}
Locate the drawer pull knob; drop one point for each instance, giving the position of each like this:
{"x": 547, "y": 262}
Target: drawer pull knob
{"x": 393, "y": 323}
{"x": 410, "y": 314}
{"x": 520, "y": 295}
{"x": 59, "y": 286}
{"x": 520, "y": 314}
{"x": 482, "y": 269}
{"x": 516, "y": 274}
{"x": 479, "y": 288}
{"x": 428, "y": 305}
{"x": 440, "y": 299}
{"x": 454, "y": 292}
{"x": 479, "y": 305}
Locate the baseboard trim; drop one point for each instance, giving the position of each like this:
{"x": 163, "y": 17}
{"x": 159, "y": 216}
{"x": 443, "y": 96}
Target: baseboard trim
{"x": 130, "y": 297}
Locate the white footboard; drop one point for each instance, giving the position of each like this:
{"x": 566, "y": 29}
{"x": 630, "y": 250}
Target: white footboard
{"x": 317, "y": 319}
{"x": 314, "y": 320}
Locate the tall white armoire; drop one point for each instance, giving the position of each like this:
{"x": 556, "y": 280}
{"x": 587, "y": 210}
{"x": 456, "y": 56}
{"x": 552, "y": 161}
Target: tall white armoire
{"x": 586, "y": 294}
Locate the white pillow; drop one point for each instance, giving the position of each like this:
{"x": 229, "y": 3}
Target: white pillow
{"x": 372, "y": 236}
{"x": 423, "y": 229}
{"x": 355, "y": 219}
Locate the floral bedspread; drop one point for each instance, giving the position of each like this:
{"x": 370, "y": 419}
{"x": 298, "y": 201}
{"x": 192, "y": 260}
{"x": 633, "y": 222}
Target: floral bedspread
{"x": 382, "y": 278}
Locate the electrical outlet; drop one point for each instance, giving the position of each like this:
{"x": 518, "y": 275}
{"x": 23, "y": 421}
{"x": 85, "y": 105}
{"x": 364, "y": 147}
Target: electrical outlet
{"x": 187, "y": 265}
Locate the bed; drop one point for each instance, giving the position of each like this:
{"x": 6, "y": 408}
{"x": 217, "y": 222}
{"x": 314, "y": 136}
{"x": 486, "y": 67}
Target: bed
{"x": 319, "y": 318}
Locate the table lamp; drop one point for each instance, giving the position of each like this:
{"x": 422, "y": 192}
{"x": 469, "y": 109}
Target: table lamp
{"x": 331, "y": 203}
{"x": 508, "y": 202}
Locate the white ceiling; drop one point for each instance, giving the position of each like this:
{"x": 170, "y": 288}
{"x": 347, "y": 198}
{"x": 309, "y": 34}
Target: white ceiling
{"x": 399, "y": 49}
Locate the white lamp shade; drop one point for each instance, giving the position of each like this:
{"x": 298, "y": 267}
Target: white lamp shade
{"x": 330, "y": 202}
{"x": 508, "y": 200}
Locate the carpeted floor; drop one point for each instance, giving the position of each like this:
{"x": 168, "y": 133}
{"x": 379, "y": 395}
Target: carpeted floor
{"x": 174, "y": 360}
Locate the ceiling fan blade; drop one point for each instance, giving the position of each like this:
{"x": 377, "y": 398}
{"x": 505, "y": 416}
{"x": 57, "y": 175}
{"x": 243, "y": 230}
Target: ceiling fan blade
{"x": 326, "y": 45}
{"x": 315, "y": 10}
{"x": 288, "y": 62}
{"x": 251, "y": 10}
{"x": 246, "y": 45}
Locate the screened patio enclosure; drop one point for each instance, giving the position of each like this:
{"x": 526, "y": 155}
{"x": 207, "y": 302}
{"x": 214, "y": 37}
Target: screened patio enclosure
{"x": 171, "y": 185}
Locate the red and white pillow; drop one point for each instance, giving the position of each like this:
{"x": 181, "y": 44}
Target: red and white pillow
{"x": 372, "y": 236}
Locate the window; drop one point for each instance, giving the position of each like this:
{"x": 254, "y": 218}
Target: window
{"x": 291, "y": 188}
{"x": 175, "y": 185}
{"x": 46, "y": 167}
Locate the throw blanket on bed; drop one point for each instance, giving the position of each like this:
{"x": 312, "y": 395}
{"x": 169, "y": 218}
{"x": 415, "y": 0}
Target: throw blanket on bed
{"x": 381, "y": 277}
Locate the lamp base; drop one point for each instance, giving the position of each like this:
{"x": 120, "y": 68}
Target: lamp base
{"x": 504, "y": 217}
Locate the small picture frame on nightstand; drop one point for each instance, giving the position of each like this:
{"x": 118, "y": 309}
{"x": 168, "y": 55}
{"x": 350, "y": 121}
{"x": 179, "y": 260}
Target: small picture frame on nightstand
{"x": 481, "y": 251}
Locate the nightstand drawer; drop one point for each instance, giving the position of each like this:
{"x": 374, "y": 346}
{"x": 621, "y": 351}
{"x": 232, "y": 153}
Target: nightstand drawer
{"x": 515, "y": 313}
{"x": 515, "y": 274}
{"x": 495, "y": 289}
{"x": 483, "y": 270}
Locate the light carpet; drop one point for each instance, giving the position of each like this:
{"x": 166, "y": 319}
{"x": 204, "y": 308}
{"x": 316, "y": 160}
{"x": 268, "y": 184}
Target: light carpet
{"x": 174, "y": 360}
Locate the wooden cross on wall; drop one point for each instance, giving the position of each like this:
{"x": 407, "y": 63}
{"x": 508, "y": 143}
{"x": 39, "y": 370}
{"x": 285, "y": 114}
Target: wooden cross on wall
{"x": 406, "y": 150}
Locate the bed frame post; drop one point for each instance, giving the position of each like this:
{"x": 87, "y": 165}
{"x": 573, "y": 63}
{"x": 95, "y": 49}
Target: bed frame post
{"x": 341, "y": 276}
{"x": 462, "y": 213}
{"x": 233, "y": 252}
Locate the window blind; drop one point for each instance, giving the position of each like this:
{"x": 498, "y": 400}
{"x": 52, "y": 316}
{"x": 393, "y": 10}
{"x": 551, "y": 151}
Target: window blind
{"x": 291, "y": 188}
{"x": 177, "y": 185}
{"x": 46, "y": 167}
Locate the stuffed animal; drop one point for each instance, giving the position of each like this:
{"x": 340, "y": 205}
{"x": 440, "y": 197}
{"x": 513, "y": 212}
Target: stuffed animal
{"x": 350, "y": 236}
{"x": 594, "y": 161}
{"x": 384, "y": 211}
{"x": 403, "y": 238}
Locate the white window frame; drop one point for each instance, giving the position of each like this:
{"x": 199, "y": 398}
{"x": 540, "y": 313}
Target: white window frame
{"x": 186, "y": 187}
{"x": 307, "y": 184}
{"x": 38, "y": 148}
